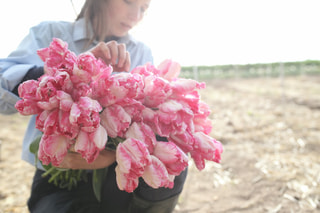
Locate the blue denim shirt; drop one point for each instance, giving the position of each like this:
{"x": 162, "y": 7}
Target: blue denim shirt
{"x": 16, "y": 65}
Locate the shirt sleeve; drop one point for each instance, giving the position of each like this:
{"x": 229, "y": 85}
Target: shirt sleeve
{"x": 33, "y": 74}
{"x": 17, "y": 64}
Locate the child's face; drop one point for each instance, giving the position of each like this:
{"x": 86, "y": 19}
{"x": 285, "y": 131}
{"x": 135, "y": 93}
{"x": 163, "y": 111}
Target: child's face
{"x": 123, "y": 15}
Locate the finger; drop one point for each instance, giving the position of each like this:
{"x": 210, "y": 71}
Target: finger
{"x": 121, "y": 55}
{"x": 106, "y": 53}
{"x": 101, "y": 50}
{"x": 113, "y": 48}
{"x": 72, "y": 160}
{"x": 127, "y": 63}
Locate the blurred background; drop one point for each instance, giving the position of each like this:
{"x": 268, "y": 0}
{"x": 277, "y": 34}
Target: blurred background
{"x": 260, "y": 60}
{"x": 196, "y": 32}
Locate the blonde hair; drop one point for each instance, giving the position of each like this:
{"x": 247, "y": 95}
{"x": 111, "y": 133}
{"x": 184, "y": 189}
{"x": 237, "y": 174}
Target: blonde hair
{"x": 92, "y": 12}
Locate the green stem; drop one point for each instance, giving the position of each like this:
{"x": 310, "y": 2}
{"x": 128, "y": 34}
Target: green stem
{"x": 53, "y": 177}
{"x": 79, "y": 174}
{"x": 49, "y": 171}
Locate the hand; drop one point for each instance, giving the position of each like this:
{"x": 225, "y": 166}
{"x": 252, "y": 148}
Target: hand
{"x": 114, "y": 54}
{"x": 73, "y": 160}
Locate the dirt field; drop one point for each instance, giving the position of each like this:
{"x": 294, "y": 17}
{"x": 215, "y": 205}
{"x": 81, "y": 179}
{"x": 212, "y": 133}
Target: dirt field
{"x": 270, "y": 129}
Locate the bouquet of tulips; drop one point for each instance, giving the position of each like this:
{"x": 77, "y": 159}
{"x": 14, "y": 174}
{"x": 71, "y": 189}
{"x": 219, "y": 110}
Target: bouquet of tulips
{"x": 79, "y": 102}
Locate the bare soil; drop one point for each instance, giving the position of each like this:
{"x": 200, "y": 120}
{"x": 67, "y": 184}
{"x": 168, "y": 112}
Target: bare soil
{"x": 270, "y": 129}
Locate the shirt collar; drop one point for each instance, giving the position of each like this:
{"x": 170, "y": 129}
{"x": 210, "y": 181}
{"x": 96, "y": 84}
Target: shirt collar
{"x": 127, "y": 39}
{"x": 79, "y": 33}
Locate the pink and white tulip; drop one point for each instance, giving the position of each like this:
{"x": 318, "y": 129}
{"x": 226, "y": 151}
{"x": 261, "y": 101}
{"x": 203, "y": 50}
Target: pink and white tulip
{"x": 126, "y": 182}
{"x": 85, "y": 114}
{"x": 89, "y": 144}
{"x": 115, "y": 120}
{"x": 28, "y": 107}
{"x": 171, "y": 156}
{"x": 142, "y": 132}
{"x": 57, "y": 57}
{"x": 53, "y": 149}
{"x": 132, "y": 157}
{"x": 205, "y": 148}
{"x": 156, "y": 174}
{"x": 169, "y": 69}
{"x": 156, "y": 91}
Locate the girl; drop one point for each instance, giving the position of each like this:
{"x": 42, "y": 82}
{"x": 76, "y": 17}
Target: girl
{"x": 102, "y": 28}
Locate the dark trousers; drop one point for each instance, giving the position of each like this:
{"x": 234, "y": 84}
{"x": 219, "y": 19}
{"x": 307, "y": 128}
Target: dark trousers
{"x": 47, "y": 198}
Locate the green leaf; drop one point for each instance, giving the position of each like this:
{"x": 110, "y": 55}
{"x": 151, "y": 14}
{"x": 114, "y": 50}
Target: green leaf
{"x": 34, "y": 146}
{"x": 97, "y": 181}
{"x": 112, "y": 143}
{"x": 46, "y": 167}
